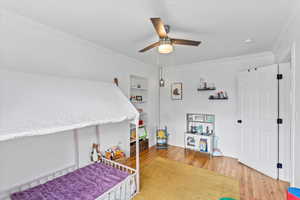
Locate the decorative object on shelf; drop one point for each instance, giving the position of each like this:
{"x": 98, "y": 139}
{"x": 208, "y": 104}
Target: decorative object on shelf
{"x": 162, "y": 138}
{"x": 140, "y": 110}
{"x": 161, "y": 80}
{"x": 176, "y": 91}
{"x": 205, "y": 86}
{"x": 116, "y": 81}
{"x": 132, "y": 98}
{"x": 200, "y": 132}
{"x": 198, "y": 118}
{"x": 190, "y": 141}
{"x": 203, "y": 145}
{"x": 219, "y": 96}
{"x": 141, "y": 122}
{"x": 95, "y": 154}
{"x": 139, "y": 98}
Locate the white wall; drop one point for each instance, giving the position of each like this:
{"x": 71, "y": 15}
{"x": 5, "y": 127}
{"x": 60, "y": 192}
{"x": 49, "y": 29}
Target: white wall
{"x": 290, "y": 36}
{"x": 32, "y": 47}
{"x": 224, "y": 74}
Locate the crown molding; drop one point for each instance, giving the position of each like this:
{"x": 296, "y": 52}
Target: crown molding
{"x": 229, "y": 59}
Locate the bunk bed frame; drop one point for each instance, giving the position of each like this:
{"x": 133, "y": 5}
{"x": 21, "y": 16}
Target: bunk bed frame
{"x": 125, "y": 190}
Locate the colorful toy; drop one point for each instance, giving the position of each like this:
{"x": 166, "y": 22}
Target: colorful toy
{"x": 114, "y": 153}
{"x": 142, "y": 132}
{"x": 162, "y": 138}
{"x": 203, "y": 145}
{"x": 226, "y": 198}
{"x": 293, "y": 194}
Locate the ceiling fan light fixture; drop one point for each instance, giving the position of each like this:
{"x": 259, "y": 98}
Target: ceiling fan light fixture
{"x": 165, "y": 46}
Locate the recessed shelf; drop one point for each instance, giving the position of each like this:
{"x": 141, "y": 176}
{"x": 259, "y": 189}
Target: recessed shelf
{"x": 132, "y": 126}
{"x": 138, "y": 102}
{"x": 132, "y": 141}
{"x": 135, "y": 88}
{"x": 201, "y": 134}
{"x": 138, "y": 93}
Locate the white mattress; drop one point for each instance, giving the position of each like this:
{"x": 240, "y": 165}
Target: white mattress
{"x": 33, "y": 104}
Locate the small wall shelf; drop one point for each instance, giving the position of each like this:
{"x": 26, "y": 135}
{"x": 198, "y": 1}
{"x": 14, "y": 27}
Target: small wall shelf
{"x": 206, "y": 89}
{"x": 217, "y": 98}
{"x": 136, "y": 88}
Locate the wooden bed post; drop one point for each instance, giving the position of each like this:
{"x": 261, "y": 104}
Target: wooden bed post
{"x": 76, "y": 148}
{"x": 137, "y": 164}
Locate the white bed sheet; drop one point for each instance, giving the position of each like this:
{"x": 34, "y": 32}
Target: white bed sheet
{"x": 32, "y": 104}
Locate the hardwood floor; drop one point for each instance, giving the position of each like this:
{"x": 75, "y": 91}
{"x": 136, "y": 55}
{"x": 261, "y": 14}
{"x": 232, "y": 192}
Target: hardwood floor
{"x": 253, "y": 185}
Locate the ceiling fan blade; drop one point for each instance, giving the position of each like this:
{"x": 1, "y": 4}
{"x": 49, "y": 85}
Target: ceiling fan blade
{"x": 156, "y": 44}
{"x": 159, "y": 27}
{"x": 185, "y": 42}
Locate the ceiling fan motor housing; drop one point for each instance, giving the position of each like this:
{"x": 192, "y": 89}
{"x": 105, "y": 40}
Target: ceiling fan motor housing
{"x": 167, "y": 28}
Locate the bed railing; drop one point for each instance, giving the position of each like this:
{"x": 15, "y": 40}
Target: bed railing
{"x": 5, "y": 195}
{"x": 125, "y": 190}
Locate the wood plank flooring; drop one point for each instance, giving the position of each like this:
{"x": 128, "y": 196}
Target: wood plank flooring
{"x": 253, "y": 185}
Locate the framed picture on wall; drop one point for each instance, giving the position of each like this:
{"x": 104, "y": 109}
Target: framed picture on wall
{"x": 176, "y": 91}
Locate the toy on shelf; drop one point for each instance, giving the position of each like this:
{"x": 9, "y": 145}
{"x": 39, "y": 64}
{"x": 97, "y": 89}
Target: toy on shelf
{"x": 219, "y": 96}
{"x": 162, "y": 138}
{"x": 203, "y": 145}
{"x": 293, "y": 194}
{"x": 141, "y": 122}
{"x": 114, "y": 153}
{"x": 95, "y": 154}
{"x": 142, "y": 132}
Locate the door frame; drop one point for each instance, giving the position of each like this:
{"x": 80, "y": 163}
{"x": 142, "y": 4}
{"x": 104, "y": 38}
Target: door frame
{"x": 293, "y": 113}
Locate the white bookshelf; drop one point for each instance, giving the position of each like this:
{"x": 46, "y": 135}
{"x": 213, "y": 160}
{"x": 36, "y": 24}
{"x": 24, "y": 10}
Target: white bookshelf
{"x": 139, "y": 88}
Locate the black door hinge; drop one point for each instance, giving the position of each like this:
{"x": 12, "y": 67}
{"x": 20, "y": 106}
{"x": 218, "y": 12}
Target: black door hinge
{"x": 279, "y": 76}
{"x": 279, "y": 165}
{"x": 279, "y": 121}
{"x": 239, "y": 121}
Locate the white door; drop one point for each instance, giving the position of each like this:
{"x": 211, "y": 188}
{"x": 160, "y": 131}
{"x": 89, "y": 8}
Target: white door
{"x": 258, "y": 110}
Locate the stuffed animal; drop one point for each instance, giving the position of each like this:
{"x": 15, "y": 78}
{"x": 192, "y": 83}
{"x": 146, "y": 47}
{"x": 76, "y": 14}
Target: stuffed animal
{"x": 114, "y": 153}
{"x": 95, "y": 154}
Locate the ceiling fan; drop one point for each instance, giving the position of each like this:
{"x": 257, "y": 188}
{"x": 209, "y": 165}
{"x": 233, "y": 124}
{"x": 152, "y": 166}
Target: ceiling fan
{"x": 165, "y": 43}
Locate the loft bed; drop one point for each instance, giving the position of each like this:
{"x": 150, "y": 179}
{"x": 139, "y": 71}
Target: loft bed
{"x": 71, "y": 104}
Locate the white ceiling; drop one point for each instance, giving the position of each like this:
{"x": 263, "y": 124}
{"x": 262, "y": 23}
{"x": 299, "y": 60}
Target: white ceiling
{"x": 124, "y": 26}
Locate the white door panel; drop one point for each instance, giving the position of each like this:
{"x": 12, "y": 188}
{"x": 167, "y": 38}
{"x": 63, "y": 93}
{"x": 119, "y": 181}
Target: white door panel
{"x": 258, "y": 111}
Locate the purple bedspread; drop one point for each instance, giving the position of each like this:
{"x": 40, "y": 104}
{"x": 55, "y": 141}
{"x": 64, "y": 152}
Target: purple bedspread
{"x": 87, "y": 183}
